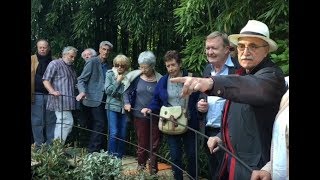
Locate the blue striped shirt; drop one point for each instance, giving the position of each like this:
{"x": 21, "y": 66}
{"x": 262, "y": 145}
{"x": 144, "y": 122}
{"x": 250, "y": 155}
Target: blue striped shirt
{"x": 63, "y": 79}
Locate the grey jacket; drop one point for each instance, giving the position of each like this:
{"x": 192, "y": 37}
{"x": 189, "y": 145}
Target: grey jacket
{"x": 91, "y": 82}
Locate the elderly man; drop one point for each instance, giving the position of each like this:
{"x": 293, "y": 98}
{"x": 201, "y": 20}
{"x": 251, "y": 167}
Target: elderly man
{"x": 88, "y": 53}
{"x": 91, "y": 90}
{"x": 253, "y": 99}
{"x": 43, "y": 121}
{"x": 210, "y": 108}
{"x": 82, "y": 113}
{"x": 60, "y": 80}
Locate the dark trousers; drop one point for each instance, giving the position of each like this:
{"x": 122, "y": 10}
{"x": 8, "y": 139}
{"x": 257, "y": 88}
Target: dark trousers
{"x": 98, "y": 120}
{"x": 188, "y": 142}
{"x": 84, "y": 117}
{"x": 142, "y": 127}
{"x": 214, "y": 160}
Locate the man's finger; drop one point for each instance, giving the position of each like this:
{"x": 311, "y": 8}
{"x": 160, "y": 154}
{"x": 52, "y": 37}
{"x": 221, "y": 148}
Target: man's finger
{"x": 178, "y": 79}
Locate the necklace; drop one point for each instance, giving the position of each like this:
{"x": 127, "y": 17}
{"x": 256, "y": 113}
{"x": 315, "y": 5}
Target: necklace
{"x": 150, "y": 79}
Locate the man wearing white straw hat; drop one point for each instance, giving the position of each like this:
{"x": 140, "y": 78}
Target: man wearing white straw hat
{"x": 253, "y": 98}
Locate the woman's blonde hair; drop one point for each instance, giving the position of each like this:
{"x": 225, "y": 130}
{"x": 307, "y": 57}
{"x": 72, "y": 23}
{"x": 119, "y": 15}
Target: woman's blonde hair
{"x": 122, "y": 59}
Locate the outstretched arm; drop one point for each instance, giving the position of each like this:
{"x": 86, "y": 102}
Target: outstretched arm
{"x": 193, "y": 84}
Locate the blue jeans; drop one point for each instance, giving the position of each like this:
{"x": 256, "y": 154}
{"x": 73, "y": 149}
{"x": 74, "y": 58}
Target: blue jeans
{"x": 176, "y": 142}
{"x": 117, "y": 128}
{"x": 43, "y": 121}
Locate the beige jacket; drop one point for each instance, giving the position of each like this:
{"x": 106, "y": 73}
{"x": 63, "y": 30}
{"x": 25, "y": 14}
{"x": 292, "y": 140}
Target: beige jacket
{"x": 34, "y": 65}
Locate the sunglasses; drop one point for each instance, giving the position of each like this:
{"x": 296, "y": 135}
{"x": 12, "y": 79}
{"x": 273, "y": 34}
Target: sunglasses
{"x": 120, "y": 65}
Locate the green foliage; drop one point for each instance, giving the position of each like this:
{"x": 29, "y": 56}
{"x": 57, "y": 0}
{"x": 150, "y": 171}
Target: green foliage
{"x": 198, "y": 18}
{"x": 164, "y": 150}
{"x": 52, "y": 162}
{"x": 59, "y": 162}
{"x": 98, "y": 166}
{"x": 194, "y": 57}
{"x": 131, "y": 17}
{"x": 281, "y": 58}
{"x": 189, "y": 13}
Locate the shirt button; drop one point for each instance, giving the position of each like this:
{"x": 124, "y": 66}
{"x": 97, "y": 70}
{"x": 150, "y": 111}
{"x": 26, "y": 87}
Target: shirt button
{"x": 219, "y": 91}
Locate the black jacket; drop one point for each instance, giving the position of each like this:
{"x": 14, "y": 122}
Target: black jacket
{"x": 255, "y": 99}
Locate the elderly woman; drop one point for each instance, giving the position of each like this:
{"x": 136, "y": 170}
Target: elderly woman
{"x": 114, "y": 86}
{"x": 138, "y": 95}
{"x": 168, "y": 94}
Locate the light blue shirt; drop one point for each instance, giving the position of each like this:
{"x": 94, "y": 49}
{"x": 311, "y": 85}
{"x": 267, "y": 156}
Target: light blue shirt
{"x": 215, "y": 103}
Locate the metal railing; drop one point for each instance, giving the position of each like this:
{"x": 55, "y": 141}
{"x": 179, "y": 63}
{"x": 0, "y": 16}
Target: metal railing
{"x": 197, "y": 133}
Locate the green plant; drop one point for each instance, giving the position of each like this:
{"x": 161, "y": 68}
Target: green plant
{"x": 281, "y": 58}
{"x": 51, "y": 162}
{"x": 59, "y": 162}
{"x": 98, "y": 166}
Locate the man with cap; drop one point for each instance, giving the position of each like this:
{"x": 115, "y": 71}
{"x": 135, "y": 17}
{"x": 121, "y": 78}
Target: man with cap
{"x": 253, "y": 98}
{"x": 91, "y": 91}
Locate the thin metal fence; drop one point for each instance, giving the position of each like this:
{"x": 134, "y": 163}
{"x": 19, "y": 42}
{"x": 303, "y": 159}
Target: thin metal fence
{"x": 197, "y": 133}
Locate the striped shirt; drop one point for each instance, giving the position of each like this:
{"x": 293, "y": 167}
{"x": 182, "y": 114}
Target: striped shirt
{"x": 63, "y": 79}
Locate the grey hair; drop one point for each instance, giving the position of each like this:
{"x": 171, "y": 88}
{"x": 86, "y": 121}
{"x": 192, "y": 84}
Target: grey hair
{"x": 67, "y": 49}
{"x": 147, "y": 57}
{"x": 224, "y": 37}
{"x": 93, "y": 52}
{"x": 103, "y": 43}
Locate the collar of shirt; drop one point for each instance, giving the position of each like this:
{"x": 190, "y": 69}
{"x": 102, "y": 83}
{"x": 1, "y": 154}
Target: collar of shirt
{"x": 225, "y": 67}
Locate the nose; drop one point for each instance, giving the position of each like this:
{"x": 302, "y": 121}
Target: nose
{"x": 246, "y": 50}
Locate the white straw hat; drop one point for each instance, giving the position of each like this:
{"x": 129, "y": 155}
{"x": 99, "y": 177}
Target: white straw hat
{"x": 255, "y": 29}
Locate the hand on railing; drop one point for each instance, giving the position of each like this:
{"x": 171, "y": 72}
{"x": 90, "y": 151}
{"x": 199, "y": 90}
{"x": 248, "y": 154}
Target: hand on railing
{"x": 55, "y": 93}
{"x": 145, "y": 111}
{"x": 80, "y": 96}
{"x": 127, "y": 107}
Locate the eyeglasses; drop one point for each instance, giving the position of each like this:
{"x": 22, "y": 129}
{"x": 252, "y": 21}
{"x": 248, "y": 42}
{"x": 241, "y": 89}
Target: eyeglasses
{"x": 251, "y": 47}
{"x": 120, "y": 65}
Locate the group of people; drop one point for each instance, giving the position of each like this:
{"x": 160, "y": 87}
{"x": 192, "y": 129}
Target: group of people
{"x": 241, "y": 103}
{"x": 54, "y": 84}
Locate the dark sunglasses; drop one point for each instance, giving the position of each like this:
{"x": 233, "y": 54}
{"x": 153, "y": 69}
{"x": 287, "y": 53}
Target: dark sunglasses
{"x": 120, "y": 65}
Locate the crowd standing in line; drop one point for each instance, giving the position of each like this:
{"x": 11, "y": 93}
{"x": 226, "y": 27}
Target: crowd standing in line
{"x": 238, "y": 111}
